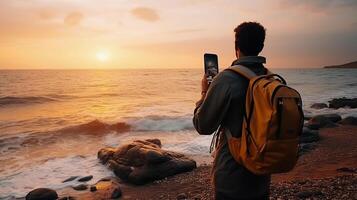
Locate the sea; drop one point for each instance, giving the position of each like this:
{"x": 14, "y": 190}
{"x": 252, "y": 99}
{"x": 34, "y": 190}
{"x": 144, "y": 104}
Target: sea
{"x": 53, "y": 122}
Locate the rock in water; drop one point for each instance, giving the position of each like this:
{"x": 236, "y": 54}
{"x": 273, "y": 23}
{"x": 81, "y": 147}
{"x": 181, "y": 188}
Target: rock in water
{"x": 319, "y": 106}
{"x": 309, "y": 139}
{"x": 343, "y": 102}
{"x": 309, "y": 136}
{"x": 306, "y": 147}
{"x": 332, "y": 117}
{"x": 80, "y": 187}
{"x": 42, "y": 194}
{"x": 349, "y": 121}
{"x": 143, "y": 161}
{"x": 308, "y": 132}
{"x": 323, "y": 121}
{"x": 70, "y": 179}
{"x": 85, "y": 178}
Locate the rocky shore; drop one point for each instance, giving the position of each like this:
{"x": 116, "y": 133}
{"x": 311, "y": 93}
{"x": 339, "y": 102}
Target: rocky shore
{"x": 326, "y": 169}
{"x": 329, "y": 171}
{"x": 337, "y": 103}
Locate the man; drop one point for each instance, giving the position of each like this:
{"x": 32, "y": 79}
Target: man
{"x": 223, "y": 104}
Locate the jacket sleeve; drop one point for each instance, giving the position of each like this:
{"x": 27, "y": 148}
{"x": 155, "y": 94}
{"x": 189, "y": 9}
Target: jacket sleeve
{"x": 210, "y": 111}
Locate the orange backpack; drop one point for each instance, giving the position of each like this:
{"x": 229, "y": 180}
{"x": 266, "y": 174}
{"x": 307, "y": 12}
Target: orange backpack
{"x": 272, "y": 124}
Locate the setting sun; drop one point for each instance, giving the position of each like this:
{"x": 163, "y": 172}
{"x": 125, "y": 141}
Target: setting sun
{"x": 102, "y": 56}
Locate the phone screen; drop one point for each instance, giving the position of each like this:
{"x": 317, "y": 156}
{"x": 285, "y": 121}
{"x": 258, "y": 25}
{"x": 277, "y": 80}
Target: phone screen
{"x": 211, "y": 65}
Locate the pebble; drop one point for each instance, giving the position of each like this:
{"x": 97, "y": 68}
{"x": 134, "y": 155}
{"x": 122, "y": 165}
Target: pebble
{"x": 67, "y": 198}
{"x": 346, "y": 169}
{"x": 116, "y": 193}
{"x": 93, "y": 188}
{"x": 308, "y": 193}
{"x": 339, "y": 187}
{"x": 181, "y": 196}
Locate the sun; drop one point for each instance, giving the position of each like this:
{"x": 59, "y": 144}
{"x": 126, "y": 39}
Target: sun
{"x": 102, "y": 56}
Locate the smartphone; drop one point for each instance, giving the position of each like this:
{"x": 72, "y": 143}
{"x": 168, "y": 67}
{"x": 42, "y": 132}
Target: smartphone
{"x": 211, "y": 66}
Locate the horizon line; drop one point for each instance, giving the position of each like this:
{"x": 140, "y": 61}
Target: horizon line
{"x": 146, "y": 68}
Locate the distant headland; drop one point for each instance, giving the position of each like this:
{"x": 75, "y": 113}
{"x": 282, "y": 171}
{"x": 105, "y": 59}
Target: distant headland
{"x": 347, "y": 65}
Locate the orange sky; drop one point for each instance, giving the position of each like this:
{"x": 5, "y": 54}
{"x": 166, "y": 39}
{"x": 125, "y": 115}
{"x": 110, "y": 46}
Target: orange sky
{"x": 73, "y": 34}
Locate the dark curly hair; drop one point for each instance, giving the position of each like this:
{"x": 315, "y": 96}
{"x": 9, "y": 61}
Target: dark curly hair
{"x": 249, "y": 38}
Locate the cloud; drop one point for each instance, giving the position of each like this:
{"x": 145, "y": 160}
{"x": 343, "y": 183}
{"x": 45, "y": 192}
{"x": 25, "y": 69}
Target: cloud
{"x": 318, "y": 5}
{"x": 145, "y": 13}
{"x": 46, "y": 14}
{"x": 73, "y": 18}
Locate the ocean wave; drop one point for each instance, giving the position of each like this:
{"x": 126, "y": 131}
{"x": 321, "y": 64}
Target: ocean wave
{"x": 11, "y": 100}
{"x": 98, "y": 128}
{"x": 351, "y": 84}
{"x": 148, "y": 123}
{"x": 61, "y": 96}
{"x": 161, "y": 123}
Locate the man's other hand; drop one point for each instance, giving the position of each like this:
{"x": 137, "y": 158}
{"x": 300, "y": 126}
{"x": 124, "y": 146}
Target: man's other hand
{"x": 204, "y": 84}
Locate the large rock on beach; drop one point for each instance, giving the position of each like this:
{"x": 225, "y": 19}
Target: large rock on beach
{"x": 319, "y": 106}
{"x": 343, "y": 102}
{"x": 332, "y": 117}
{"x": 306, "y": 147}
{"x": 143, "y": 161}
{"x": 349, "y": 121}
{"x": 42, "y": 194}
{"x": 323, "y": 121}
{"x": 309, "y": 136}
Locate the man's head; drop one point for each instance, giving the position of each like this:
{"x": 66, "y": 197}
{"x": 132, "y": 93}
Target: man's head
{"x": 249, "y": 39}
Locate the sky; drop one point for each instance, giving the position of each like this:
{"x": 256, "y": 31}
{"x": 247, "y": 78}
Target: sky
{"x": 80, "y": 34}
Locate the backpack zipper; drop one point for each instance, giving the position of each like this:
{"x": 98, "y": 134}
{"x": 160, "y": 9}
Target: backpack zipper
{"x": 280, "y": 113}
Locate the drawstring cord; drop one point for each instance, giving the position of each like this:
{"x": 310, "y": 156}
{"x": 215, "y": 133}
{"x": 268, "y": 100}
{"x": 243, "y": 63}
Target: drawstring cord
{"x": 214, "y": 141}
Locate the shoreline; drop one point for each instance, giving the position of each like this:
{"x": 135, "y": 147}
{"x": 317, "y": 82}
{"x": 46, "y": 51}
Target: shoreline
{"x": 329, "y": 171}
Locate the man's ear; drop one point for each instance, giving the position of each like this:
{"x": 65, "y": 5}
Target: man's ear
{"x": 238, "y": 54}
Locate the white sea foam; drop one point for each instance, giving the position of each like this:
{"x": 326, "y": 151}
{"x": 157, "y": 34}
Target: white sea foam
{"x": 199, "y": 145}
{"x": 161, "y": 123}
{"x": 344, "y": 112}
{"x": 51, "y": 174}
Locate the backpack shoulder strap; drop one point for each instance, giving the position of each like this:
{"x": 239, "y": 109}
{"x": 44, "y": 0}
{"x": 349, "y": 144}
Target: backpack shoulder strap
{"x": 244, "y": 71}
